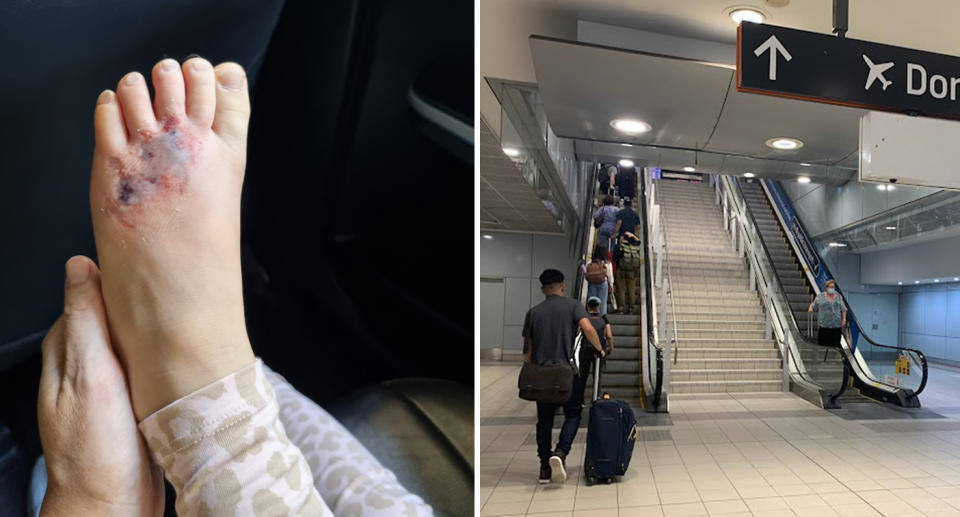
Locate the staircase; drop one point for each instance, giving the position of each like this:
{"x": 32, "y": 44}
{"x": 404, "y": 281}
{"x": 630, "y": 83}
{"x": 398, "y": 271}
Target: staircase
{"x": 621, "y": 378}
{"x": 788, "y": 268}
{"x": 719, "y": 321}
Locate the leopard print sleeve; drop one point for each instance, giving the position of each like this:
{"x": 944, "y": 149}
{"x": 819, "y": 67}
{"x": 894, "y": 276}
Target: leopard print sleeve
{"x": 226, "y": 452}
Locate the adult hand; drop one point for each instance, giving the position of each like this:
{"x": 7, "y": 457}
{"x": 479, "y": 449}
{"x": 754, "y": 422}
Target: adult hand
{"x": 97, "y": 463}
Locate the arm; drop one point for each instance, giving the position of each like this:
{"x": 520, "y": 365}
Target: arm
{"x": 608, "y": 331}
{"x": 616, "y": 229}
{"x": 590, "y": 334}
{"x": 843, "y": 317}
{"x": 224, "y": 449}
{"x": 613, "y": 178}
{"x": 814, "y": 302}
{"x": 527, "y": 345}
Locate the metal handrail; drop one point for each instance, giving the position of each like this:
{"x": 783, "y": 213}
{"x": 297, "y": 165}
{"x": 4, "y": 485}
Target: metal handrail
{"x": 669, "y": 291}
{"x": 764, "y": 285}
{"x": 853, "y": 317}
{"x": 649, "y": 294}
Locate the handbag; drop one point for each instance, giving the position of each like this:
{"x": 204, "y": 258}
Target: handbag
{"x": 550, "y": 383}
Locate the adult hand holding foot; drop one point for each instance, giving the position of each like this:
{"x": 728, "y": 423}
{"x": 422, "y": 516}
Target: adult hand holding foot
{"x": 165, "y": 197}
{"x": 97, "y": 464}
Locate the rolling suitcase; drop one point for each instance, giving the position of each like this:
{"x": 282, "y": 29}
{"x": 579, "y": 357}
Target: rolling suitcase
{"x": 611, "y": 432}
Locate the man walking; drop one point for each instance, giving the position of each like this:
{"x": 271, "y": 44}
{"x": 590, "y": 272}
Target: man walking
{"x": 549, "y": 331}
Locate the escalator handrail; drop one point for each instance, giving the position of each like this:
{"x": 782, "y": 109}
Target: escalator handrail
{"x": 853, "y": 317}
{"x": 648, "y": 295}
{"x": 796, "y": 334}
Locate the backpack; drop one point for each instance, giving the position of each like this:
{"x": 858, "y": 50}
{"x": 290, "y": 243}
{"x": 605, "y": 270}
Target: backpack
{"x": 631, "y": 258}
{"x": 596, "y": 273}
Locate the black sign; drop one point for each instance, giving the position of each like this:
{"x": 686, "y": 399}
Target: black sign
{"x": 805, "y": 65}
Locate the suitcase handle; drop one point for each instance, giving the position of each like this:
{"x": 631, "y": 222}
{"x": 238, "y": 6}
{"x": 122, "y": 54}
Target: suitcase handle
{"x": 596, "y": 378}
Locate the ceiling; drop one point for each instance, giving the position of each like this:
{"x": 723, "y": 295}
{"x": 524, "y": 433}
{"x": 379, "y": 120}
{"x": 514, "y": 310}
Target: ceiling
{"x": 507, "y": 201}
{"x": 692, "y": 106}
{"x": 926, "y": 25}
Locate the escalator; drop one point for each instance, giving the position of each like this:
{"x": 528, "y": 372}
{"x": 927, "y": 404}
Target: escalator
{"x": 816, "y": 373}
{"x": 877, "y": 372}
{"x": 627, "y": 375}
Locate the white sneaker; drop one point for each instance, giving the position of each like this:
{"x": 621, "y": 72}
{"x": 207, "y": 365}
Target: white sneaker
{"x": 559, "y": 474}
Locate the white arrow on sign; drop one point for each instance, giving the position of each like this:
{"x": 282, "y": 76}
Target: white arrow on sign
{"x": 773, "y": 45}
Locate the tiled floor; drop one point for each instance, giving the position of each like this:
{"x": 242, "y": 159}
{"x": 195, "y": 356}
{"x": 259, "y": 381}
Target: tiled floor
{"x": 769, "y": 454}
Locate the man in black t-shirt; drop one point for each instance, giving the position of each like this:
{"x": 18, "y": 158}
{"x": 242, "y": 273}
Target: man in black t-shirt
{"x": 627, "y": 220}
{"x": 549, "y": 331}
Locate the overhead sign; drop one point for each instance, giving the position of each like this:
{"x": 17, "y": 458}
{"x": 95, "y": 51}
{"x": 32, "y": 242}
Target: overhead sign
{"x": 818, "y": 67}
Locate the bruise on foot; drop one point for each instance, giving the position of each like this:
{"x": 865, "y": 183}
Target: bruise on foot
{"x": 153, "y": 171}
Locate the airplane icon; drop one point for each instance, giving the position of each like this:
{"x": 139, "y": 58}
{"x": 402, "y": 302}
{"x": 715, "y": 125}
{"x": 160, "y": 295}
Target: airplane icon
{"x": 876, "y": 72}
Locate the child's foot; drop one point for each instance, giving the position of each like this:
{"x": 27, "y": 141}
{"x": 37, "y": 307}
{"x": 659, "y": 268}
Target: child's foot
{"x": 165, "y": 198}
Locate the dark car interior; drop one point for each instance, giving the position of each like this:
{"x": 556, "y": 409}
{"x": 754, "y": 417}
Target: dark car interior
{"x": 358, "y": 196}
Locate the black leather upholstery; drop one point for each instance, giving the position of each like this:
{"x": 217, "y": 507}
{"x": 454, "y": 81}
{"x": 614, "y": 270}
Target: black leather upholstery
{"x": 422, "y": 429}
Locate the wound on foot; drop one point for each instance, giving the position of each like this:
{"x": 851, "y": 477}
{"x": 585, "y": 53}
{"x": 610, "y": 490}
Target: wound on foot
{"x": 155, "y": 169}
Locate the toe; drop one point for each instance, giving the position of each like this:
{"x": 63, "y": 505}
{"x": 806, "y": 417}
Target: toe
{"x": 168, "y": 84}
{"x": 233, "y": 104}
{"x": 201, "y": 97}
{"x": 135, "y": 105}
{"x": 108, "y": 123}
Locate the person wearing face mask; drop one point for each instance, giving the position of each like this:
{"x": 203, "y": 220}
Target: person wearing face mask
{"x": 831, "y": 317}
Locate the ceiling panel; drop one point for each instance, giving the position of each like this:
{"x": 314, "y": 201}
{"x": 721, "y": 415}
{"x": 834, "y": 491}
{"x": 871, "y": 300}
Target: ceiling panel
{"x": 830, "y": 133}
{"x": 585, "y": 87}
{"x": 507, "y": 201}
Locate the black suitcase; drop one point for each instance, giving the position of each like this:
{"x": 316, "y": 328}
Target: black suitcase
{"x": 611, "y": 433}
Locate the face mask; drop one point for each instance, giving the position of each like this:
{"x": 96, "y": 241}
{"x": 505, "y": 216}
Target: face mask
{"x": 831, "y": 290}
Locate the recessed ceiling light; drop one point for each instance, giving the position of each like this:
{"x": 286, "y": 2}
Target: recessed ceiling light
{"x": 510, "y": 151}
{"x": 784, "y": 143}
{"x": 803, "y": 179}
{"x": 956, "y": 279}
{"x": 805, "y": 164}
{"x": 937, "y": 280}
{"x": 838, "y": 245}
{"x": 890, "y": 227}
{"x": 748, "y": 174}
{"x": 899, "y": 283}
{"x": 916, "y": 281}
{"x": 487, "y": 236}
{"x": 881, "y": 187}
{"x": 746, "y": 15}
{"x": 630, "y": 126}
{"x": 626, "y": 163}
{"x": 689, "y": 169}
{"x": 626, "y": 145}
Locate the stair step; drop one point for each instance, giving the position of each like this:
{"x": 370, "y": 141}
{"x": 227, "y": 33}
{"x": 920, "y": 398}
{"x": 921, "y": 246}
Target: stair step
{"x": 724, "y": 386}
{"x": 722, "y": 363}
{"x": 726, "y": 353}
{"x": 686, "y": 333}
{"x": 725, "y": 375}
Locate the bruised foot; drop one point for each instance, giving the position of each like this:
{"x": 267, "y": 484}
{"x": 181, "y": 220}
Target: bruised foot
{"x": 165, "y": 198}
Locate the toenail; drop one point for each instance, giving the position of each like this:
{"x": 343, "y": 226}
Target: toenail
{"x": 168, "y": 65}
{"x": 105, "y": 97}
{"x": 200, "y": 65}
{"x": 132, "y": 78}
{"x": 230, "y": 78}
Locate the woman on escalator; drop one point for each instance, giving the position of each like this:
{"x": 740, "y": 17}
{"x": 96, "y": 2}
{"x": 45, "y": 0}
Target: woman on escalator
{"x": 831, "y": 317}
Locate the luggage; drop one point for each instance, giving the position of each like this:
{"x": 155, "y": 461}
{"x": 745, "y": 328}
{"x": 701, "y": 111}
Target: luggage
{"x": 596, "y": 273}
{"x": 611, "y": 434}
